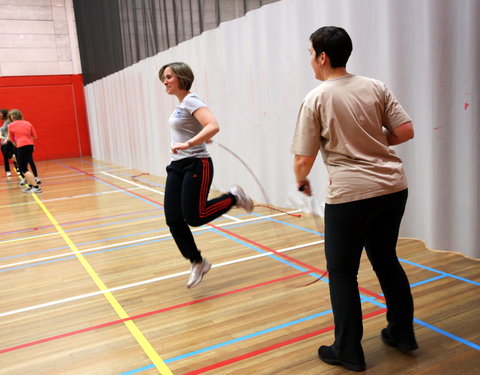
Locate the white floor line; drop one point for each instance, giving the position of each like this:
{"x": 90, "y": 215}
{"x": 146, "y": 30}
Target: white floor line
{"x": 89, "y": 195}
{"x": 69, "y": 197}
{"x": 145, "y": 239}
{"x": 53, "y": 177}
{"x": 112, "y": 169}
{"x": 159, "y": 192}
{"x": 149, "y": 281}
{"x": 232, "y": 217}
{"x": 133, "y": 183}
{"x": 29, "y": 238}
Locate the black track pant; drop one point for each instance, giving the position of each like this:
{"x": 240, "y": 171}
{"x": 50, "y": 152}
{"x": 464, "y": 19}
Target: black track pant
{"x": 186, "y": 202}
{"x": 349, "y": 227}
{"x": 24, "y": 158}
{"x": 7, "y": 152}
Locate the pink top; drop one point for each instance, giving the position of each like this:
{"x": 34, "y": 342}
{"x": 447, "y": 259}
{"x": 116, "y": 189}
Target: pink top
{"x": 22, "y": 133}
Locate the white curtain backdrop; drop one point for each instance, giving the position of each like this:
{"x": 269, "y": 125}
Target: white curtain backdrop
{"x": 254, "y": 71}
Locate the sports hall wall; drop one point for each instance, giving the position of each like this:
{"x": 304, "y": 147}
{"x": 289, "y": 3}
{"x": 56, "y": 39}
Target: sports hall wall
{"x": 254, "y": 72}
{"x": 40, "y": 74}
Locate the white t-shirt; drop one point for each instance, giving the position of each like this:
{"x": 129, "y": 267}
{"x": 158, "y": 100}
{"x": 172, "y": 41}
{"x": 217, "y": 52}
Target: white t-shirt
{"x": 184, "y": 126}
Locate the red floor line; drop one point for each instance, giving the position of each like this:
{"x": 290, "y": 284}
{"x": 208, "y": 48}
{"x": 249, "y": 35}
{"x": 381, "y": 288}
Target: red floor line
{"x": 78, "y": 221}
{"x": 150, "y": 313}
{"x": 289, "y": 258}
{"x": 272, "y": 347}
{"x": 117, "y": 186}
{"x": 219, "y": 364}
{"x": 312, "y": 268}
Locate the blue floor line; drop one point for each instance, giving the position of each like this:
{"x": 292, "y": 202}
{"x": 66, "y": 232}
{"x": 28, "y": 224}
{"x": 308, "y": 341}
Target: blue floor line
{"x": 448, "y": 334}
{"x": 440, "y": 272}
{"x": 233, "y": 341}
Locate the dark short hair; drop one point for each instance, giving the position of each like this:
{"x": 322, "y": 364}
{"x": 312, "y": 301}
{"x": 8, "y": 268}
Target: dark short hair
{"x": 335, "y": 42}
{"x": 4, "y": 113}
{"x": 182, "y": 71}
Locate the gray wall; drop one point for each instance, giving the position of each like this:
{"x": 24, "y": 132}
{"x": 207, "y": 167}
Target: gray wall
{"x": 38, "y": 37}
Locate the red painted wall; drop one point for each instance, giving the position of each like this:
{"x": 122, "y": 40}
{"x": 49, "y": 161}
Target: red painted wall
{"x": 55, "y": 105}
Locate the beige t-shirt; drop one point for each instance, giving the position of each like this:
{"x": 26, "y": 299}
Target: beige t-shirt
{"x": 344, "y": 118}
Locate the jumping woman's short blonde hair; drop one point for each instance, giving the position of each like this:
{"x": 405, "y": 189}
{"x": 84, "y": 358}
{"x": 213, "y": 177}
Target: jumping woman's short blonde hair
{"x": 15, "y": 114}
{"x": 182, "y": 71}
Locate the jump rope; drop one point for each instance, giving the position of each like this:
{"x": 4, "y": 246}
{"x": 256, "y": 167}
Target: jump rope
{"x": 267, "y": 205}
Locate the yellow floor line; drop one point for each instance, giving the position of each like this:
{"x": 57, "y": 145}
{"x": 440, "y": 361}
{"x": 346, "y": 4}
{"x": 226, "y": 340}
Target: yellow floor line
{"x": 141, "y": 339}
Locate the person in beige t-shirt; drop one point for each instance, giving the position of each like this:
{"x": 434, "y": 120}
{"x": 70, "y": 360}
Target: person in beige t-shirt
{"x": 353, "y": 121}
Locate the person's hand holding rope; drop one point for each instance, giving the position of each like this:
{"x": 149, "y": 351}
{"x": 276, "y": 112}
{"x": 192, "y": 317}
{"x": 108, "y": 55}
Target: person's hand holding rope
{"x": 304, "y": 187}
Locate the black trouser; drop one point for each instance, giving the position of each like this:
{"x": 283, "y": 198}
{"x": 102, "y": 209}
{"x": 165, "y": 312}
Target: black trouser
{"x": 24, "y": 158}
{"x": 7, "y": 152}
{"x": 374, "y": 224}
{"x": 186, "y": 202}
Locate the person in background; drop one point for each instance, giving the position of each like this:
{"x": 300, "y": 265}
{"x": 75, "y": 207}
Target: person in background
{"x": 22, "y": 134}
{"x": 7, "y": 146}
{"x": 353, "y": 121}
{"x": 190, "y": 173}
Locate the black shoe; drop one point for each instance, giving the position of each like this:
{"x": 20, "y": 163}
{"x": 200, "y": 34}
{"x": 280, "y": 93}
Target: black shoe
{"x": 327, "y": 355}
{"x": 403, "y": 346}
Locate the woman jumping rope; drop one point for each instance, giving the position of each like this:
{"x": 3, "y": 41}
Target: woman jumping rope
{"x": 190, "y": 173}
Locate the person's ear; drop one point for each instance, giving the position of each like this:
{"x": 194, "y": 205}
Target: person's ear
{"x": 322, "y": 58}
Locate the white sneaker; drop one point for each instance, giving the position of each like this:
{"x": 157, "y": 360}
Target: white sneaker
{"x": 38, "y": 181}
{"x": 23, "y": 182}
{"x": 9, "y": 174}
{"x": 197, "y": 272}
{"x": 32, "y": 189}
{"x": 36, "y": 189}
{"x": 243, "y": 200}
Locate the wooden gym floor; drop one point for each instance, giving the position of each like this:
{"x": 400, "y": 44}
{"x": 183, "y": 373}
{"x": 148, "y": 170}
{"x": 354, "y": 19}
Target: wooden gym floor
{"x": 92, "y": 283}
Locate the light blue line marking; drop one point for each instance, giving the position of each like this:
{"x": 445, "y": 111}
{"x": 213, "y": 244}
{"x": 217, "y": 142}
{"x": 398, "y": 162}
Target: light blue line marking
{"x": 372, "y": 300}
{"x": 113, "y": 223}
{"x": 424, "y": 281}
{"x": 137, "y": 370}
{"x": 82, "y": 228}
{"x": 428, "y": 280}
{"x": 317, "y": 276}
{"x": 90, "y": 253}
{"x": 445, "y": 333}
{"x": 202, "y": 230}
{"x": 143, "y": 180}
{"x": 87, "y": 243}
{"x": 230, "y": 342}
{"x": 17, "y": 231}
{"x": 246, "y": 337}
{"x": 271, "y": 255}
{"x": 81, "y": 221}
{"x": 285, "y": 325}
{"x": 364, "y": 298}
{"x": 68, "y": 167}
{"x": 296, "y": 226}
{"x": 97, "y": 169}
{"x": 116, "y": 188}
{"x": 440, "y": 272}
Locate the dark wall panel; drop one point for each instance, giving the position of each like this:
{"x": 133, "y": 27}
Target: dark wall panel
{"x": 114, "y": 34}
